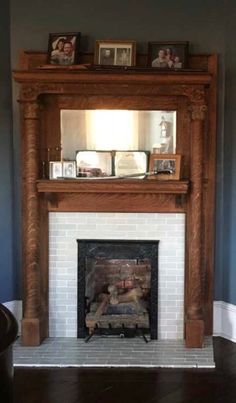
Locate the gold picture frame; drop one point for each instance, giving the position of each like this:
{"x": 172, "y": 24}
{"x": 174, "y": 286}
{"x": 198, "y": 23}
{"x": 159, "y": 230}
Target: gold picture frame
{"x": 115, "y": 53}
{"x": 165, "y": 166}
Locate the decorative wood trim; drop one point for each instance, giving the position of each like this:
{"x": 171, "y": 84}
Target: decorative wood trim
{"x": 114, "y": 195}
{"x": 116, "y": 202}
{"x": 31, "y": 218}
{"x": 194, "y": 286}
{"x": 113, "y": 186}
{"x": 31, "y": 234}
{"x": 48, "y": 80}
{"x": 194, "y": 94}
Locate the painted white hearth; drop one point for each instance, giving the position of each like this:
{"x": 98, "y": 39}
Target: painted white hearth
{"x": 66, "y": 228}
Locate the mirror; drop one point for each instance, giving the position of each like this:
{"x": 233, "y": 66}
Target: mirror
{"x": 153, "y": 131}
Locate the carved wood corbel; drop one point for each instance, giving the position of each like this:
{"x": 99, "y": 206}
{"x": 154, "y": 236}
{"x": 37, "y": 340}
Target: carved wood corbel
{"x": 52, "y": 198}
{"x": 198, "y": 112}
{"x": 31, "y": 92}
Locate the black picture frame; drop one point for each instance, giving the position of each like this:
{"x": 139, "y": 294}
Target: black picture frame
{"x": 128, "y": 162}
{"x": 168, "y": 55}
{"x": 94, "y": 163}
{"x": 63, "y": 48}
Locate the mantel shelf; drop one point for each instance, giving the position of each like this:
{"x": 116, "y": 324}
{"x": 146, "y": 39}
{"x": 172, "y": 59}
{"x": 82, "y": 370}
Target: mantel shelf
{"x": 86, "y": 76}
{"x": 113, "y": 186}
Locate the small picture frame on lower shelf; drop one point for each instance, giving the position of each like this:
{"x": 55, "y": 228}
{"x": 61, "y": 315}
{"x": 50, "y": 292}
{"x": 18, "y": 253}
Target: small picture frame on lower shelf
{"x": 91, "y": 163}
{"x": 165, "y": 166}
{"x": 69, "y": 169}
{"x": 62, "y": 169}
{"x": 130, "y": 162}
{"x": 55, "y": 169}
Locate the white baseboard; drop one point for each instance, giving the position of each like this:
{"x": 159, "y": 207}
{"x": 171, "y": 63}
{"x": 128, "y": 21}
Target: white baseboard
{"x": 16, "y": 308}
{"x": 224, "y": 320}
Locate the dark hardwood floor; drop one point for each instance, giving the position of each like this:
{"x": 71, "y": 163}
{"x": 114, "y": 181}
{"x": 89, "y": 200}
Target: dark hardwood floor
{"x": 71, "y": 385}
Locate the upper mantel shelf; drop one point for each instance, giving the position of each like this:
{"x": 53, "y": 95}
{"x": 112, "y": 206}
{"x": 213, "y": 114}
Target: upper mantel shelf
{"x": 76, "y": 75}
{"x": 33, "y": 68}
{"x": 113, "y": 186}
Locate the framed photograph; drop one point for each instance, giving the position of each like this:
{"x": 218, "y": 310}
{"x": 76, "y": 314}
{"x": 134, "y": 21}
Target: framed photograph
{"x": 63, "y": 48}
{"x": 115, "y": 53}
{"x": 94, "y": 163}
{"x": 168, "y": 55}
{"x": 165, "y": 166}
{"x": 69, "y": 169}
{"x": 130, "y": 162}
{"x": 55, "y": 169}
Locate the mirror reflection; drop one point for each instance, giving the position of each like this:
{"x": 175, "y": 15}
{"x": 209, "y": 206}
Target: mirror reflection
{"x": 153, "y": 131}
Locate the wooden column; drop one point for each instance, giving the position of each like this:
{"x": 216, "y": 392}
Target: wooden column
{"x": 31, "y": 323}
{"x": 194, "y": 318}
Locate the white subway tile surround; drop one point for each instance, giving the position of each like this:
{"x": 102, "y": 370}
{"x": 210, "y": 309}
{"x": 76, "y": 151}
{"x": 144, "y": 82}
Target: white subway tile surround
{"x": 66, "y": 228}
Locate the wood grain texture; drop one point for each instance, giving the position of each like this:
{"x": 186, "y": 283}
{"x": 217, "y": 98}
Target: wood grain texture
{"x": 159, "y": 385}
{"x": 116, "y": 202}
{"x": 194, "y": 236}
{"x": 192, "y": 93}
{"x": 113, "y": 186}
{"x": 30, "y": 209}
{"x": 194, "y": 333}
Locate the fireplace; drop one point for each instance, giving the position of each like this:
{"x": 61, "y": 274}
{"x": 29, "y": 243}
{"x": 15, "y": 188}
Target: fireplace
{"x": 117, "y": 287}
{"x": 65, "y": 228}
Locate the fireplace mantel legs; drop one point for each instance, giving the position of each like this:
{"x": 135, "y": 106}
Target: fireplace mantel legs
{"x": 194, "y": 325}
{"x": 32, "y": 333}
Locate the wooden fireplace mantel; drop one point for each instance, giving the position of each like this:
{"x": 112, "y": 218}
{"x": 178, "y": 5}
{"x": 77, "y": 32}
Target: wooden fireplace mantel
{"x": 114, "y": 186}
{"x": 44, "y": 91}
{"x": 115, "y": 195}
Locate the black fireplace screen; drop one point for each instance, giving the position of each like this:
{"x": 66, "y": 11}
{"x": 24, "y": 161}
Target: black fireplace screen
{"x": 117, "y": 286}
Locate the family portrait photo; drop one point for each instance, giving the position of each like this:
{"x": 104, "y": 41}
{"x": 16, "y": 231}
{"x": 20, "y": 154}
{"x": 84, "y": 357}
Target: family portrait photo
{"x": 63, "y": 48}
{"x": 166, "y": 55}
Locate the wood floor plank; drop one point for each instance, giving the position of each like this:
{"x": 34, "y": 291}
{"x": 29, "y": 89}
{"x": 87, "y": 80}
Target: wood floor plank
{"x": 76, "y": 385}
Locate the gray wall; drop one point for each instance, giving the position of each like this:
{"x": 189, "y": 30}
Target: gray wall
{"x": 228, "y": 268}
{"x": 7, "y": 279}
{"x": 207, "y": 24}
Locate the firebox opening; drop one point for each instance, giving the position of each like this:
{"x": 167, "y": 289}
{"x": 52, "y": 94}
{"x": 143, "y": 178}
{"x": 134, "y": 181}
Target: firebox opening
{"x": 117, "y": 287}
